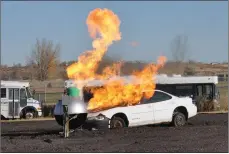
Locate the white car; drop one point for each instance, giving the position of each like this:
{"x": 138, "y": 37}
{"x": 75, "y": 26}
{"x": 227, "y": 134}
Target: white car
{"x": 162, "y": 107}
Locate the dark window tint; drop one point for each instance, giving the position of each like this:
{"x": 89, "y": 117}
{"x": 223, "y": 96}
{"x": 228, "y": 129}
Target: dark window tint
{"x": 3, "y": 92}
{"x": 184, "y": 90}
{"x": 157, "y": 97}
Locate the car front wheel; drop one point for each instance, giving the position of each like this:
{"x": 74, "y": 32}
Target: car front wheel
{"x": 117, "y": 122}
{"x": 179, "y": 119}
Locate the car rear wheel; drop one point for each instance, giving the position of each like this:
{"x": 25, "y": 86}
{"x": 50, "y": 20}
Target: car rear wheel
{"x": 117, "y": 122}
{"x": 179, "y": 119}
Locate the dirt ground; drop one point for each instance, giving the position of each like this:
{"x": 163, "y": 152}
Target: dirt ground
{"x": 203, "y": 133}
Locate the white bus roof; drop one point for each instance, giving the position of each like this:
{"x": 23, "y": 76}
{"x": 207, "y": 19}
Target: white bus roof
{"x": 14, "y": 84}
{"x": 160, "y": 79}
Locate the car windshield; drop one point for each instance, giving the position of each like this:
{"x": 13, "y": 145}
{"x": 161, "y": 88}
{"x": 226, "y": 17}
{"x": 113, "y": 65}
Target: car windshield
{"x": 28, "y": 92}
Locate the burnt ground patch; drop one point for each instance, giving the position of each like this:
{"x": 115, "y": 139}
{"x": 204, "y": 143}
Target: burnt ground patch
{"x": 203, "y": 133}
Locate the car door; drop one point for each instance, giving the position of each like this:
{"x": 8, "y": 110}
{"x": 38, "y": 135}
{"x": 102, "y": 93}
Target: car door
{"x": 141, "y": 114}
{"x": 162, "y": 105}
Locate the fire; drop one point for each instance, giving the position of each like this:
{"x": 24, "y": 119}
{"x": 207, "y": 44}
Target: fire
{"x": 100, "y": 22}
{"x": 116, "y": 93}
{"x": 105, "y": 23}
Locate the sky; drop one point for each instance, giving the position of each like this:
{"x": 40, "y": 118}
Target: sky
{"x": 147, "y": 28}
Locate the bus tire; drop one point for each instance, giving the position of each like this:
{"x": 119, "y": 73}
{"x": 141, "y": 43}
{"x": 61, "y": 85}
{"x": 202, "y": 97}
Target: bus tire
{"x": 29, "y": 113}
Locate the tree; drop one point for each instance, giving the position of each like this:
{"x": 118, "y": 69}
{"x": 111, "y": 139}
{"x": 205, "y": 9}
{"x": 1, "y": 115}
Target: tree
{"x": 179, "y": 48}
{"x": 45, "y": 58}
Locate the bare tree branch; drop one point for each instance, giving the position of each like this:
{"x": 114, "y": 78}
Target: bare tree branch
{"x": 45, "y": 58}
{"x": 179, "y": 48}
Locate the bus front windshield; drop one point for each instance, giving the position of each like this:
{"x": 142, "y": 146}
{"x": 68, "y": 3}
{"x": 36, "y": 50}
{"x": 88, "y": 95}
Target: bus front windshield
{"x": 28, "y": 92}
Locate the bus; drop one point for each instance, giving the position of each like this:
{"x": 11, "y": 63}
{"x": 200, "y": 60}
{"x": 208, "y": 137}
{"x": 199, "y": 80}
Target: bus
{"x": 195, "y": 87}
{"x": 17, "y": 101}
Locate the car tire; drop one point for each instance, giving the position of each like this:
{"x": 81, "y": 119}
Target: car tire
{"x": 179, "y": 119}
{"x": 117, "y": 122}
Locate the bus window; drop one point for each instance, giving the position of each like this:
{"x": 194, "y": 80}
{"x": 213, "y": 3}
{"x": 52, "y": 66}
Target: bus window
{"x": 208, "y": 91}
{"x": 199, "y": 90}
{"x": 23, "y": 94}
{"x": 217, "y": 93}
{"x": 28, "y": 92}
{"x": 184, "y": 90}
{"x": 3, "y": 92}
{"x": 23, "y": 97}
{"x": 16, "y": 93}
{"x": 166, "y": 88}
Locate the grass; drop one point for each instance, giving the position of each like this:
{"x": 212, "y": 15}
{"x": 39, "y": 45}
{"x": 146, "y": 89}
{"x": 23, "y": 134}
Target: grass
{"x": 51, "y": 98}
{"x": 223, "y": 99}
{"x": 223, "y": 83}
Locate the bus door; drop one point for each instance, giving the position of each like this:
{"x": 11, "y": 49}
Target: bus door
{"x": 23, "y": 98}
{"x": 204, "y": 91}
{"x": 14, "y": 106}
{"x": 199, "y": 91}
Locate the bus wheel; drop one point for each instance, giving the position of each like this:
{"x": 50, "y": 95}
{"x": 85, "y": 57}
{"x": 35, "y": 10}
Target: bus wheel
{"x": 29, "y": 115}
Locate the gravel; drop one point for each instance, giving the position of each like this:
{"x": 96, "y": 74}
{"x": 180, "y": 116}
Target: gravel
{"x": 203, "y": 133}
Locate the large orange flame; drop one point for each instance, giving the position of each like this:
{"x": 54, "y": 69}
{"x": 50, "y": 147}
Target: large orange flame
{"x": 100, "y": 22}
{"x": 105, "y": 23}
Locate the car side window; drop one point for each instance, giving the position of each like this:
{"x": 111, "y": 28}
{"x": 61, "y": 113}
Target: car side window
{"x": 157, "y": 97}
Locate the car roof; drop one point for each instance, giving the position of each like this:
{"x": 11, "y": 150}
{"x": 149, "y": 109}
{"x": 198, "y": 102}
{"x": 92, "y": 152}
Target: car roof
{"x": 160, "y": 91}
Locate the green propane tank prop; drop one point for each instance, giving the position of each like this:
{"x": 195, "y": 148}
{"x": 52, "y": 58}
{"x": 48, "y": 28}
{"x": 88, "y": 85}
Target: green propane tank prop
{"x": 73, "y": 91}
{"x": 72, "y": 105}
